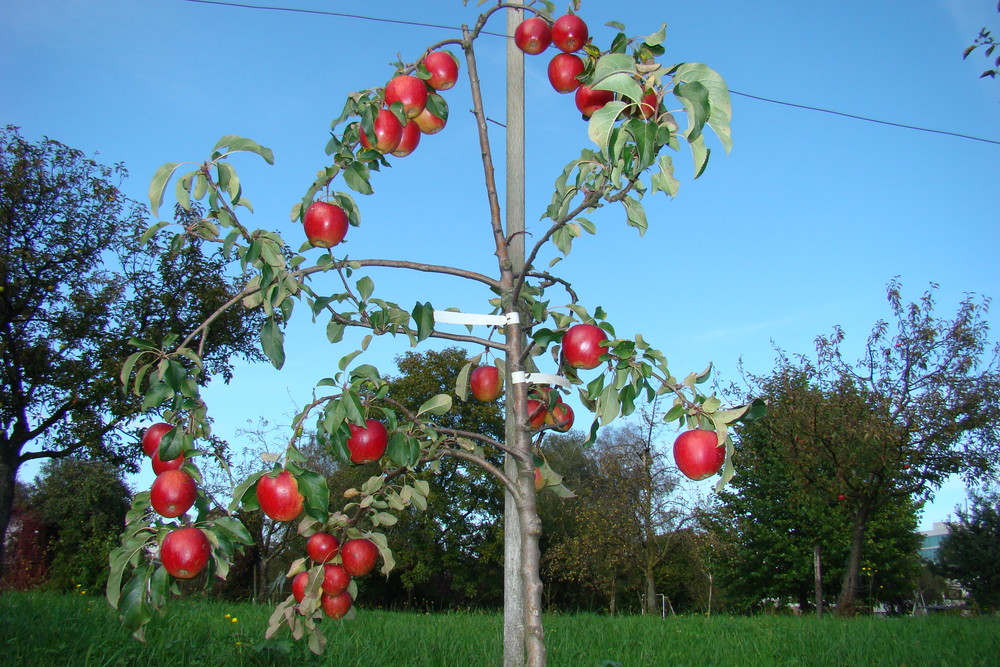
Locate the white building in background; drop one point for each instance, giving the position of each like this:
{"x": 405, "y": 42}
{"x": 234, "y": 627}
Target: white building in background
{"x": 932, "y": 540}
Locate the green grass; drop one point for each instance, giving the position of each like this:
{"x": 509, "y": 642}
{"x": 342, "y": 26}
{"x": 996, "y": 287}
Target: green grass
{"x": 48, "y": 629}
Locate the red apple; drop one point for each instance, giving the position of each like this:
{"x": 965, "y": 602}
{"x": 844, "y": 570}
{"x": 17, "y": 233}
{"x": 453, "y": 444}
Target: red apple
{"x": 279, "y": 496}
{"x": 443, "y": 67}
{"x": 563, "y": 70}
{"x": 533, "y": 35}
{"x": 151, "y": 438}
{"x": 367, "y": 444}
{"x": 160, "y": 466}
{"x": 388, "y": 131}
{"x": 560, "y": 417}
{"x": 569, "y": 33}
{"x": 299, "y": 582}
{"x": 411, "y": 91}
{"x": 325, "y": 224}
{"x": 408, "y": 140}
{"x": 537, "y": 412}
{"x": 322, "y": 547}
{"x": 429, "y": 123}
{"x": 539, "y": 480}
{"x": 336, "y": 606}
{"x": 486, "y": 383}
{"x": 184, "y": 552}
{"x": 173, "y": 493}
{"x": 358, "y": 556}
{"x": 647, "y": 106}
{"x": 588, "y": 100}
{"x": 841, "y": 497}
{"x": 335, "y": 579}
{"x": 697, "y": 453}
{"x": 581, "y": 345}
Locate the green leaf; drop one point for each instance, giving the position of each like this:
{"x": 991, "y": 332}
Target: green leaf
{"x": 462, "y": 382}
{"x": 357, "y": 176}
{"x": 694, "y": 96}
{"x": 423, "y": 318}
{"x": 657, "y": 37}
{"x": 674, "y": 413}
{"x": 272, "y": 341}
{"x": 157, "y": 393}
{"x": 158, "y": 185}
{"x": 635, "y": 214}
{"x": 718, "y": 96}
{"x": 234, "y": 529}
{"x": 242, "y": 144}
{"x": 151, "y": 232}
{"x": 246, "y": 492}
{"x": 602, "y": 123}
{"x": 436, "y": 405}
{"x": 700, "y": 152}
{"x": 365, "y": 287}
{"x": 134, "y": 605}
{"x": 663, "y": 180}
{"x": 313, "y": 486}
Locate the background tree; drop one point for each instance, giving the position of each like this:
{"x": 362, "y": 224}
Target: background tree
{"x": 968, "y": 553}
{"x": 83, "y": 504}
{"x": 75, "y": 286}
{"x": 921, "y": 404}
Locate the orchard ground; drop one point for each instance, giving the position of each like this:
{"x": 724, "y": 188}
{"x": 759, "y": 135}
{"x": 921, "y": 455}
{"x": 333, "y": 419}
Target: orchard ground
{"x": 43, "y": 628}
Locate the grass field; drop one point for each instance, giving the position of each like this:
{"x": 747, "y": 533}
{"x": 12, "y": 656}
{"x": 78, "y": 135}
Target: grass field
{"x": 48, "y": 629}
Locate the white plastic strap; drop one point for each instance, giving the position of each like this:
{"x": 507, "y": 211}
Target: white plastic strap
{"x": 520, "y": 377}
{"x": 458, "y": 317}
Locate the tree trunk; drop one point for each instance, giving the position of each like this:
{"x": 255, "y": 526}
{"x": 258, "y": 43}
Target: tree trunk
{"x": 8, "y": 476}
{"x": 650, "y": 602}
{"x": 847, "y": 602}
{"x": 818, "y": 574}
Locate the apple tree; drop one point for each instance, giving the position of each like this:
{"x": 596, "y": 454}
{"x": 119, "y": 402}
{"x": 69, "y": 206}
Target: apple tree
{"x": 537, "y": 323}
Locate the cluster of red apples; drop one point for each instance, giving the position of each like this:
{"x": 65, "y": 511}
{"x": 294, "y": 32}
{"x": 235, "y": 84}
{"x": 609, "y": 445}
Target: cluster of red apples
{"x": 184, "y": 552}
{"x": 280, "y": 500}
{"x": 569, "y": 34}
{"x": 357, "y": 557}
{"x": 394, "y": 134}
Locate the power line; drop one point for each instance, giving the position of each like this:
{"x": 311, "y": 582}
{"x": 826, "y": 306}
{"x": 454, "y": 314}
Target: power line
{"x": 804, "y": 107}
{"x": 865, "y": 118}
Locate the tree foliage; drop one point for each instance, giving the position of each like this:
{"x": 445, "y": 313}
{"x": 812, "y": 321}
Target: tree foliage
{"x": 75, "y": 286}
{"x": 968, "y": 553}
{"x": 988, "y": 41}
{"x": 82, "y": 504}
{"x": 921, "y": 404}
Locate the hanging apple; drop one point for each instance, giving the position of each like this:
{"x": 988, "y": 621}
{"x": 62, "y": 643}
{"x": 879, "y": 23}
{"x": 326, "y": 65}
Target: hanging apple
{"x": 173, "y": 493}
{"x": 581, "y": 345}
{"x": 698, "y": 455}
{"x": 368, "y": 443}
{"x": 322, "y": 547}
{"x": 533, "y": 35}
{"x": 569, "y": 33}
{"x": 184, "y": 552}
{"x": 325, "y": 224}
{"x": 563, "y": 70}
{"x": 443, "y": 67}
{"x": 279, "y": 496}
{"x": 336, "y": 606}
{"x": 485, "y": 383}
{"x": 408, "y": 90}
{"x": 151, "y": 438}
{"x": 388, "y": 132}
{"x": 358, "y": 556}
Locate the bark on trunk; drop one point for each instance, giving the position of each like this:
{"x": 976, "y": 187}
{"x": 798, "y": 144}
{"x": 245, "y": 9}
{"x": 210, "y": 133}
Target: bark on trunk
{"x": 8, "y": 475}
{"x": 650, "y": 602}
{"x": 847, "y": 601}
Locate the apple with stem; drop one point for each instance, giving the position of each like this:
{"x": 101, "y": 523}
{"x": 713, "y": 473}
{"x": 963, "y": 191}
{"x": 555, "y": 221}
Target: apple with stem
{"x": 698, "y": 455}
{"x": 153, "y": 435}
{"x": 184, "y": 552}
{"x": 485, "y": 383}
{"x": 160, "y": 466}
{"x": 443, "y": 67}
{"x": 533, "y": 35}
{"x": 387, "y": 132}
{"x": 173, "y": 493}
{"x": 335, "y": 579}
{"x": 569, "y": 33}
{"x": 563, "y": 70}
{"x": 646, "y": 107}
{"x": 279, "y": 496}
{"x": 322, "y": 547}
{"x": 325, "y": 224}
{"x": 537, "y": 413}
{"x": 581, "y": 345}
{"x": 408, "y": 140}
{"x": 367, "y": 444}
{"x": 358, "y": 556}
{"x": 589, "y": 101}
{"x": 336, "y": 606}
{"x": 408, "y": 90}
{"x": 560, "y": 417}
{"x": 430, "y": 123}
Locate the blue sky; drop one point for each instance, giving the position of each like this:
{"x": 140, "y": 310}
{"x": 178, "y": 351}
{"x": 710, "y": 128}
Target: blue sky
{"x": 797, "y": 230}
